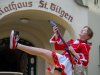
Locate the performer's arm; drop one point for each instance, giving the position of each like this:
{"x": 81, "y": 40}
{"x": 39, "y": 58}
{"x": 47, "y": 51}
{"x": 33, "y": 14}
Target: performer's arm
{"x": 74, "y": 53}
{"x": 85, "y": 48}
{"x": 56, "y": 40}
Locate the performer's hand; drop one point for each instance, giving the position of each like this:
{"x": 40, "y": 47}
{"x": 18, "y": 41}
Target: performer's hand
{"x": 55, "y": 29}
{"x": 73, "y": 52}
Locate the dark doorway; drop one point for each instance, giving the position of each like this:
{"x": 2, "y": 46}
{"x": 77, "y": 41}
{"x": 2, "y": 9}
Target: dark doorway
{"x": 16, "y": 60}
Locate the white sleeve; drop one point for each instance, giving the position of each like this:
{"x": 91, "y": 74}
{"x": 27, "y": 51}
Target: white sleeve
{"x": 53, "y": 40}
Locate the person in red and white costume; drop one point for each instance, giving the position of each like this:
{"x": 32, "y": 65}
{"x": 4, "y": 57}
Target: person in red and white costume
{"x": 80, "y": 46}
{"x": 62, "y": 62}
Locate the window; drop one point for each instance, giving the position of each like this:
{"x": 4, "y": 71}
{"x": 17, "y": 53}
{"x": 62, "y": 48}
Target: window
{"x": 97, "y": 3}
{"x": 31, "y": 65}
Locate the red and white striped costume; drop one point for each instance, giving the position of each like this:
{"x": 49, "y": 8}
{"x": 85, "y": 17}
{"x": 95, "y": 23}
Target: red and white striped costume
{"x": 63, "y": 60}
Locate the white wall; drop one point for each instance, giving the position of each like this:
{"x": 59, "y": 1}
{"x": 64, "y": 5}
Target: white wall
{"x": 94, "y": 22}
{"x": 77, "y": 13}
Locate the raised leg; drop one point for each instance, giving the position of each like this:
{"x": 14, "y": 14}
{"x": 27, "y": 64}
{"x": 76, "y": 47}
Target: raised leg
{"x": 44, "y": 53}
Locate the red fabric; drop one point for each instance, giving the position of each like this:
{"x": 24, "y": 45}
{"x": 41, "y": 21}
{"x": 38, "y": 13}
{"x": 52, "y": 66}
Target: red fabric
{"x": 14, "y": 42}
{"x": 81, "y": 47}
{"x": 55, "y": 58}
{"x": 56, "y": 40}
{"x": 84, "y": 48}
{"x": 63, "y": 73}
{"x": 48, "y": 68}
{"x": 62, "y": 46}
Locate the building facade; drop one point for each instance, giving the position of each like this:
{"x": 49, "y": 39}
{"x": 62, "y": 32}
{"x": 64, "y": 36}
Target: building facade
{"x": 30, "y": 19}
{"x": 93, "y": 21}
